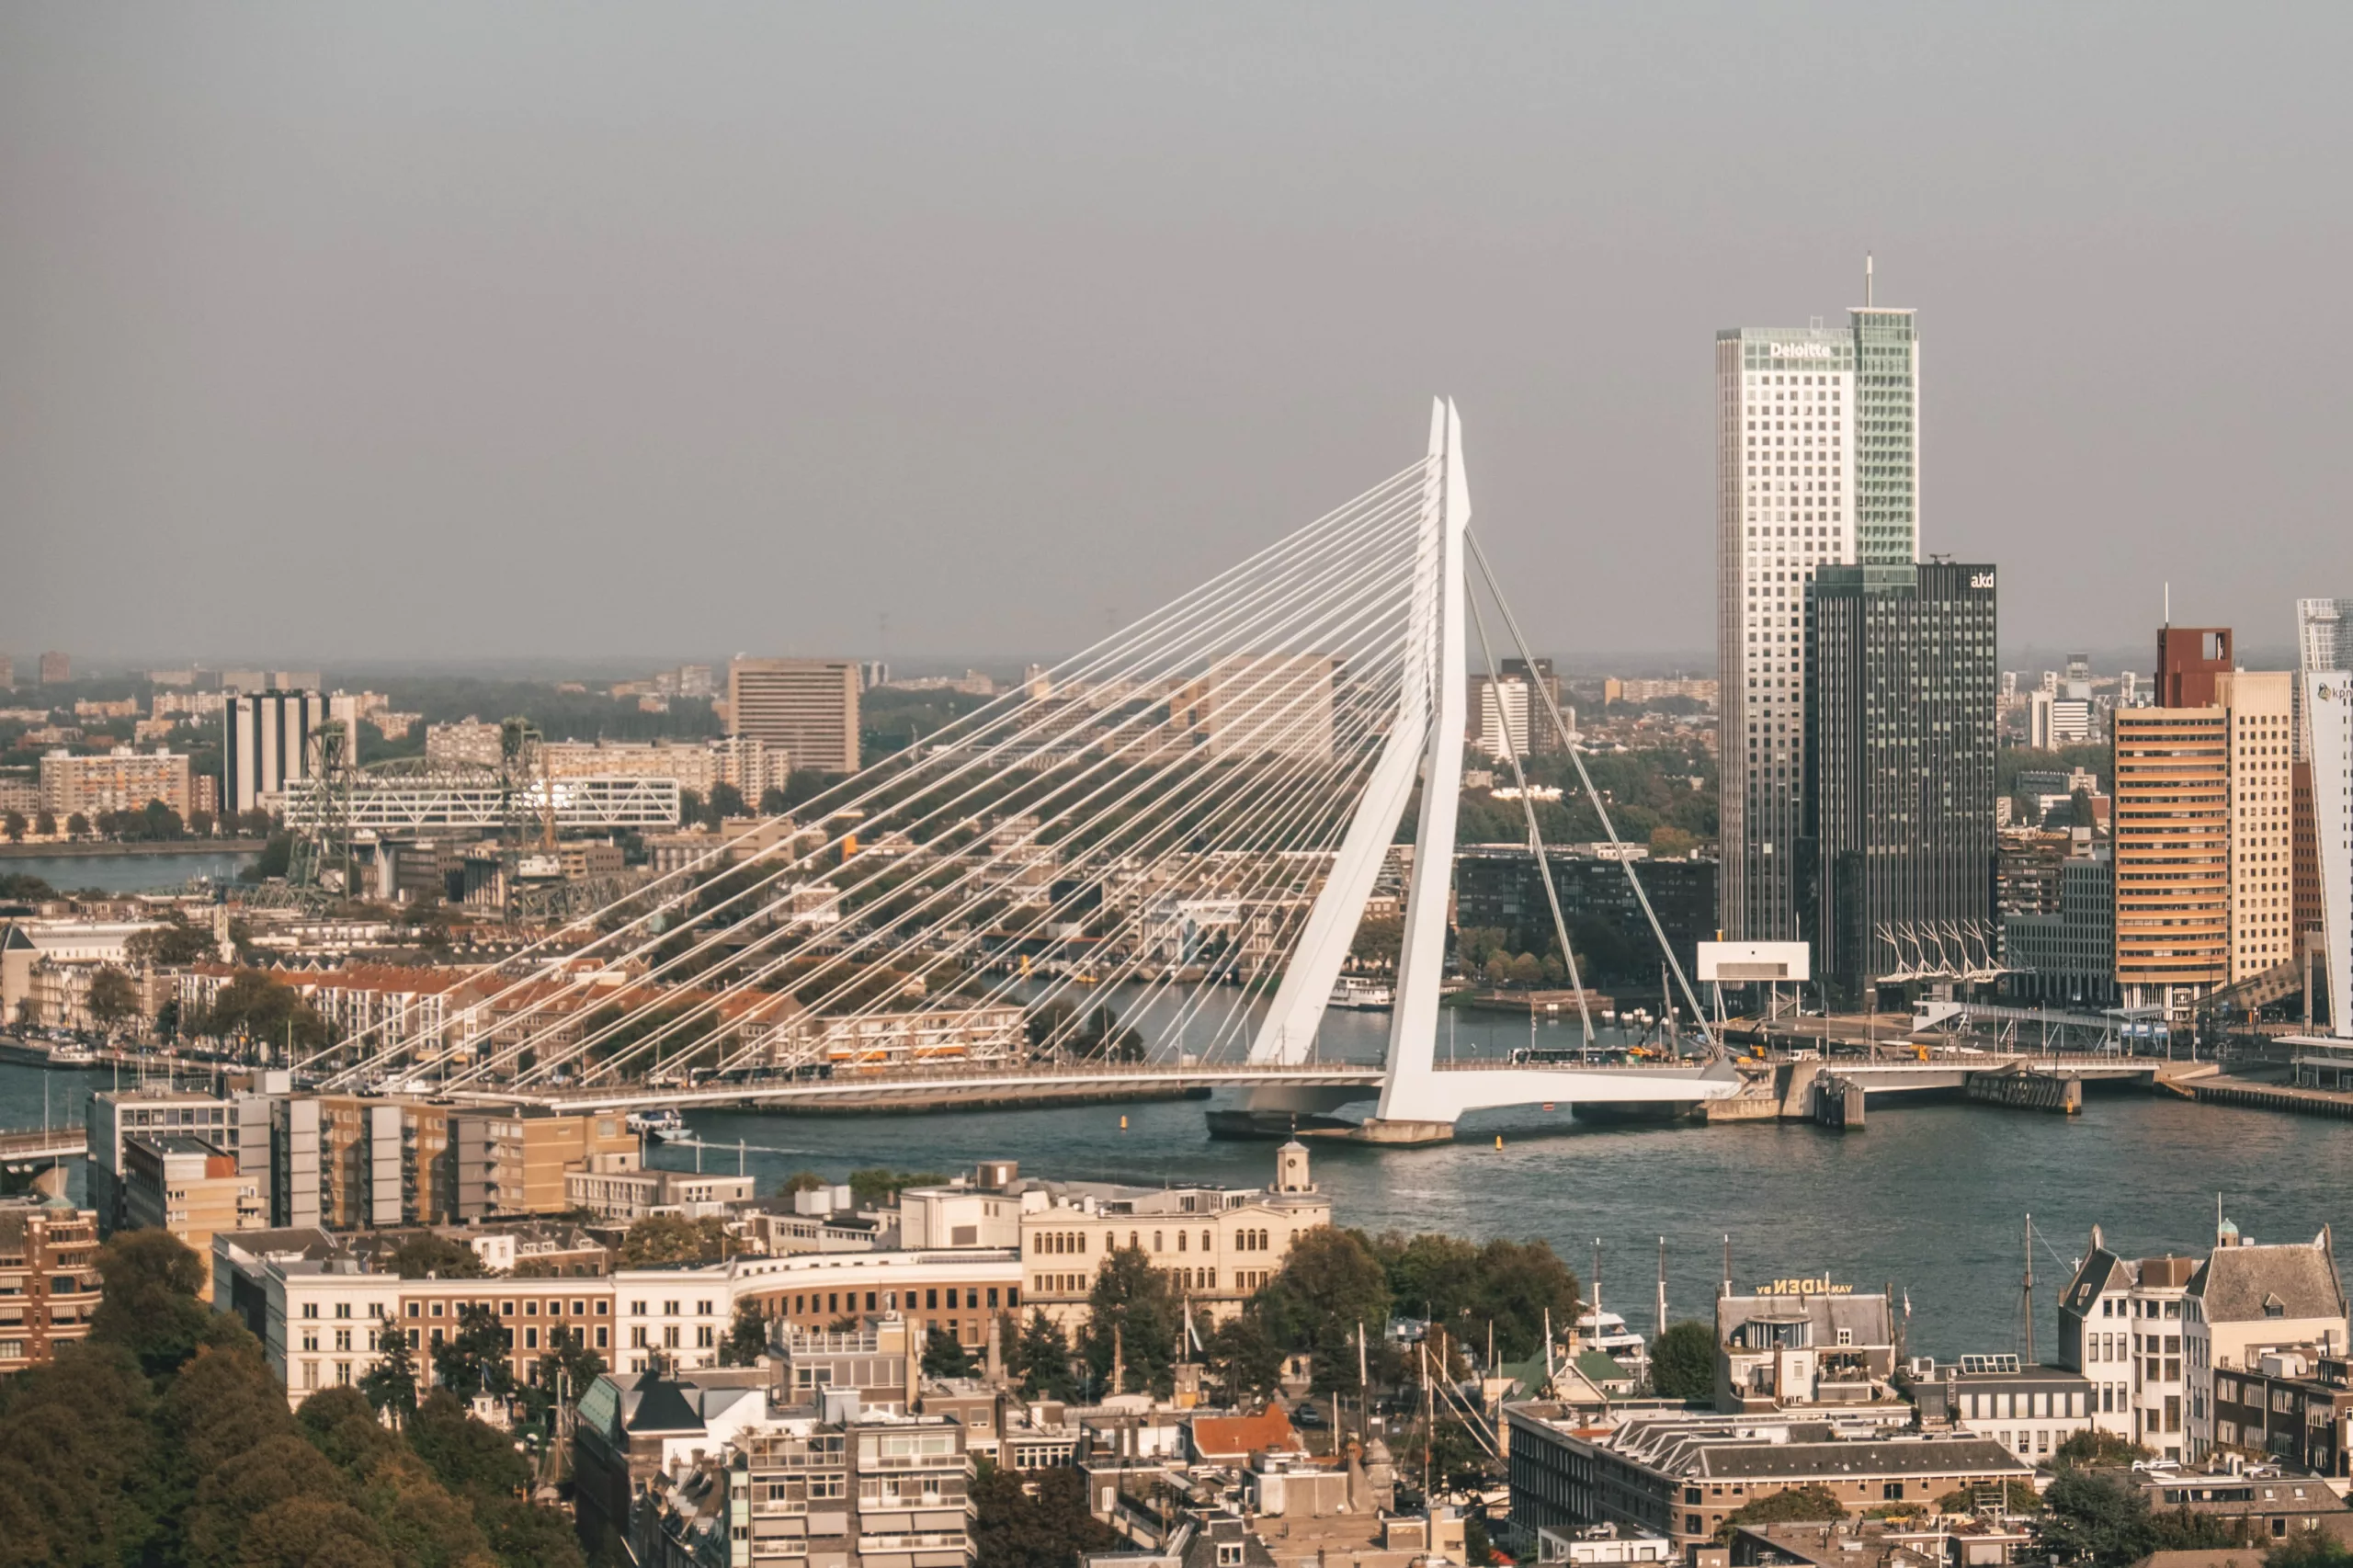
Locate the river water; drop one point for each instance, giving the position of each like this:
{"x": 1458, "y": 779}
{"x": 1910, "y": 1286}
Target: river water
{"x": 1930, "y": 1199}
{"x": 128, "y": 873}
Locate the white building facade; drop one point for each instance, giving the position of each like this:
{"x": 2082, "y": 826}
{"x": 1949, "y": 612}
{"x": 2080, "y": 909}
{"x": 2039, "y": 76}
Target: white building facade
{"x": 1817, "y": 464}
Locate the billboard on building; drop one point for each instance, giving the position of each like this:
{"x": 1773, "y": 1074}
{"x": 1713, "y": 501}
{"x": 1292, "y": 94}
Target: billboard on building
{"x": 1744, "y": 963}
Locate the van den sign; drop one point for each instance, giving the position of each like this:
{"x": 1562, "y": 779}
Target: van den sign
{"x": 1816, "y": 1285}
{"x": 1802, "y": 351}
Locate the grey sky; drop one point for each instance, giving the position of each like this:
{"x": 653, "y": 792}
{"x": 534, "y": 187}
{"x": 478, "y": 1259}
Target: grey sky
{"x": 345, "y": 332}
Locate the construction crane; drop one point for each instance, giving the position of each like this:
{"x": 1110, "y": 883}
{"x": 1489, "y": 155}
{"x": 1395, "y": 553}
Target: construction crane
{"x": 319, "y": 867}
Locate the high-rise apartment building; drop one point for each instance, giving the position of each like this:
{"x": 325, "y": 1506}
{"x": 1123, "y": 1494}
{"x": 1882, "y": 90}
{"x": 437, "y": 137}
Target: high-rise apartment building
{"x": 2263, "y": 901}
{"x": 807, "y": 706}
{"x": 56, "y": 669}
{"x": 1898, "y": 851}
{"x": 1817, "y": 465}
{"x": 265, "y": 744}
{"x": 2171, "y": 852}
{"x": 1502, "y": 704}
{"x": 2205, "y": 815}
{"x": 1267, "y": 705}
{"x": 7, "y": 672}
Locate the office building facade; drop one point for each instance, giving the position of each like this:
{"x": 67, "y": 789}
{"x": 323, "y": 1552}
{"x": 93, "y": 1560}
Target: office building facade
{"x": 808, "y": 707}
{"x": 1897, "y": 855}
{"x": 265, "y": 744}
{"x": 2205, "y": 824}
{"x": 2328, "y": 708}
{"x": 1817, "y": 465}
{"x": 2323, "y": 645}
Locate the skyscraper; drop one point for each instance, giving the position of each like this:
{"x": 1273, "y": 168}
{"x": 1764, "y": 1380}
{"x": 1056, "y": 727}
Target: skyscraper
{"x": 807, "y": 706}
{"x": 2328, "y": 707}
{"x": 2324, "y": 646}
{"x": 1817, "y": 465}
{"x": 1896, "y": 865}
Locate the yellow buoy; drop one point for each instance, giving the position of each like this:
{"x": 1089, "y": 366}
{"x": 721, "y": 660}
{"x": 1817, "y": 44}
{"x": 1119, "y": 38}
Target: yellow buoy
{"x": 1499, "y": 1139}
{"x": 1123, "y": 1124}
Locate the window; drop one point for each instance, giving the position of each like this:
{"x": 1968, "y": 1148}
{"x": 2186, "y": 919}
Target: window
{"x": 310, "y": 1309}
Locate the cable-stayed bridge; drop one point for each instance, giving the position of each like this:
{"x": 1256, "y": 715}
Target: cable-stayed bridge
{"x": 1148, "y": 863}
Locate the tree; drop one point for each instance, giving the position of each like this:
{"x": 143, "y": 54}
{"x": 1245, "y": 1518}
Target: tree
{"x": 114, "y": 1000}
{"x": 880, "y": 1185}
{"x": 1329, "y": 1285}
{"x": 175, "y": 943}
{"x": 201, "y": 823}
{"x": 671, "y": 1238}
{"x": 1669, "y": 843}
{"x": 2094, "y": 1447}
{"x": 1133, "y": 1317}
{"x": 803, "y": 1181}
{"x": 256, "y": 1007}
{"x": 944, "y": 1356}
{"x": 1683, "y": 1362}
{"x": 1041, "y": 1359}
{"x": 77, "y": 825}
{"x": 45, "y": 823}
{"x": 150, "y": 1306}
{"x": 389, "y": 1386}
{"x": 429, "y": 1254}
{"x": 773, "y": 802}
{"x": 747, "y": 1336}
{"x": 2098, "y": 1517}
{"x": 14, "y": 823}
{"x": 1244, "y": 1359}
{"x": 1033, "y": 1519}
{"x": 2308, "y": 1549}
{"x": 255, "y": 824}
{"x": 569, "y": 1366}
{"x": 1792, "y": 1505}
{"x": 726, "y": 802}
{"x": 473, "y": 1360}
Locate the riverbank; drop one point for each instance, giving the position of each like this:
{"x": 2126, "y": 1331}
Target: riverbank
{"x": 81, "y": 850}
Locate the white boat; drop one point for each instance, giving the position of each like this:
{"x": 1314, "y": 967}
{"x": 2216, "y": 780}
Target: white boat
{"x": 1362, "y": 995}
{"x": 1606, "y": 1332}
{"x": 662, "y": 1125}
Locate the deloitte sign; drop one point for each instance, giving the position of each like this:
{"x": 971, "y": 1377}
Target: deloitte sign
{"x": 1802, "y": 351}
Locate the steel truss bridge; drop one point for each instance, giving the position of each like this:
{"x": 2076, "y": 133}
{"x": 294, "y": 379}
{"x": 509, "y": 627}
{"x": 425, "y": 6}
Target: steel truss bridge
{"x": 1209, "y": 794}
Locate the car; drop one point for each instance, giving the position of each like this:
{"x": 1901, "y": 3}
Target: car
{"x": 1306, "y": 1414}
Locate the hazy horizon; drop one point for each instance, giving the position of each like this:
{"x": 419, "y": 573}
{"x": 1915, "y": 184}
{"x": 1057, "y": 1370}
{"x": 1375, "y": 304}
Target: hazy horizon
{"x": 357, "y": 335}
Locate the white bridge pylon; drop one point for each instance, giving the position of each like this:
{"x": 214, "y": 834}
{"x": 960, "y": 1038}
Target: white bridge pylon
{"x": 1426, "y": 741}
{"x": 1096, "y": 873}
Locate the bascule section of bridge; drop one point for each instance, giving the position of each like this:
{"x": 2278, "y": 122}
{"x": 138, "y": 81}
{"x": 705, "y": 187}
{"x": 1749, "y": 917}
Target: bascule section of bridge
{"x": 1145, "y": 869}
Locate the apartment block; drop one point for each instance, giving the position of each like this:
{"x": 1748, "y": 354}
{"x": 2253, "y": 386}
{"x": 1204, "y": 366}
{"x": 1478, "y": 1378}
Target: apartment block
{"x": 119, "y": 780}
{"x": 2171, "y": 852}
{"x": 193, "y": 1189}
{"x": 808, "y": 707}
{"x": 49, "y": 1277}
